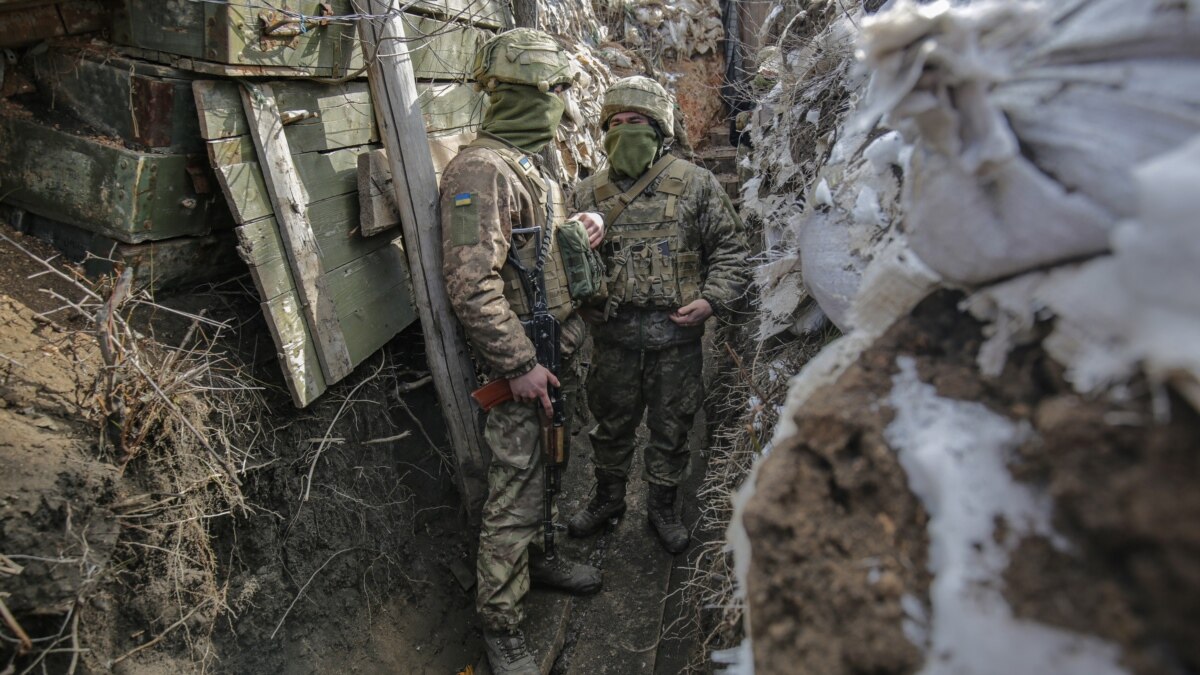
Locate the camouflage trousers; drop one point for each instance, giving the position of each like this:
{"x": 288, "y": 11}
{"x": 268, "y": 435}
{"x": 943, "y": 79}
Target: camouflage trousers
{"x": 512, "y": 514}
{"x": 666, "y": 385}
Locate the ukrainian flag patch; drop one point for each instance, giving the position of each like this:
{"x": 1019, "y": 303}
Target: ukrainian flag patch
{"x": 525, "y": 163}
{"x": 462, "y": 199}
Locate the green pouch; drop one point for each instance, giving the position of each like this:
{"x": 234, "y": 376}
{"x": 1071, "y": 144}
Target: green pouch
{"x": 585, "y": 269}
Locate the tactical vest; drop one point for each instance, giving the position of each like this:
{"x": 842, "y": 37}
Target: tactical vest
{"x": 649, "y": 265}
{"x": 549, "y": 213}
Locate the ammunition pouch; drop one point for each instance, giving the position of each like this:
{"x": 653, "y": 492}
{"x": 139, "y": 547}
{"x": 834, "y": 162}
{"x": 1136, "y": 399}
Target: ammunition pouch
{"x": 647, "y": 269}
{"x": 583, "y": 267}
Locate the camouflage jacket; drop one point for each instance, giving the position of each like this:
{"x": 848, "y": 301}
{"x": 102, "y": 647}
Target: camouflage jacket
{"x": 476, "y": 237}
{"x": 707, "y": 224}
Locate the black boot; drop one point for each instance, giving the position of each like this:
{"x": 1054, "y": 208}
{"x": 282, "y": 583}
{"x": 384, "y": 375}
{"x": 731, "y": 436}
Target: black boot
{"x": 660, "y": 509}
{"x": 508, "y": 654}
{"x": 607, "y": 503}
{"x": 565, "y": 575}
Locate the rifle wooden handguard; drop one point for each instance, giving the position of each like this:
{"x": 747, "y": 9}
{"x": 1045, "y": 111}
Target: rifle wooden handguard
{"x": 492, "y": 394}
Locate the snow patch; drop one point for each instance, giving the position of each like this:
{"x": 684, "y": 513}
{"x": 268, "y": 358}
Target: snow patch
{"x": 956, "y": 456}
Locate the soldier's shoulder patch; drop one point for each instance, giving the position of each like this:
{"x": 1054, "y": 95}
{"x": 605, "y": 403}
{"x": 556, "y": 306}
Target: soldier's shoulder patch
{"x": 464, "y": 220}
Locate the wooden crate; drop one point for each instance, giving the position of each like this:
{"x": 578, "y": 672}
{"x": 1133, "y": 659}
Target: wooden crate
{"x": 99, "y": 185}
{"x": 24, "y": 23}
{"x": 246, "y": 40}
{"x": 157, "y": 265}
{"x": 242, "y": 38}
{"x": 145, "y": 104}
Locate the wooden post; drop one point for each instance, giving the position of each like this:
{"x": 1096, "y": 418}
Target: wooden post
{"x": 402, "y": 128}
{"x": 290, "y": 200}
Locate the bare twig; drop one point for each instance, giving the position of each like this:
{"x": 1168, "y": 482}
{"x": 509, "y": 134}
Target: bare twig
{"x": 11, "y": 622}
{"x": 159, "y": 638}
{"x": 305, "y": 586}
{"x": 388, "y": 439}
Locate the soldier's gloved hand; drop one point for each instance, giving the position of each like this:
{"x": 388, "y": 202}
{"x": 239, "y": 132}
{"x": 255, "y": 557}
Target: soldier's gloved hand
{"x": 594, "y": 224}
{"x": 533, "y": 386}
{"x": 693, "y": 313}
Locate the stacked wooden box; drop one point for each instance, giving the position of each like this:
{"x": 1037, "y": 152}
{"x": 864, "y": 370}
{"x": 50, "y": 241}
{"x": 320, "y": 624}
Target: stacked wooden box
{"x": 102, "y": 157}
{"x": 158, "y": 138}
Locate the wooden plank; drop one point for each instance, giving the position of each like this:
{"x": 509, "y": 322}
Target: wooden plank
{"x": 83, "y": 16}
{"x": 484, "y": 13}
{"x": 262, "y": 249}
{"x": 19, "y": 28}
{"x": 376, "y": 200}
{"x": 441, "y": 50}
{"x": 324, "y": 174}
{"x": 444, "y": 148}
{"x": 373, "y": 299}
{"x": 289, "y": 199}
{"x": 451, "y": 107}
{"x": 335, "y": 225}
{"x": 403, "y": 129}
{"x": 344, "y": 113}
{"x": 297, "y": 353}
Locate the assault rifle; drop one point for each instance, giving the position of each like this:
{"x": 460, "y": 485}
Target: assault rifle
{"x": 542, "y": 329}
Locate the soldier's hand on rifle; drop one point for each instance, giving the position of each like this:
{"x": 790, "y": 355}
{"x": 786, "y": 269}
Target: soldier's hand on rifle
{"x": 693, "y": 313}
{"x": 533, "y": 386}
{"x": 594, "y": 224}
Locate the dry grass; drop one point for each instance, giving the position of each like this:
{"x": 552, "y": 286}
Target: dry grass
{"x": 179, "y": 421}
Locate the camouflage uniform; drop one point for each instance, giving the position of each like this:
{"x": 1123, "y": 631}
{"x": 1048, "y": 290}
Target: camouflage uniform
{"x": 678, "y": 240}
{"x": 490, "y": 188}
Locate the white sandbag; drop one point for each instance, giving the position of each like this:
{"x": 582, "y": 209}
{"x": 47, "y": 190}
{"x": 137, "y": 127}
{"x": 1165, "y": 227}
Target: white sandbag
{"x": 1028, "y": 117}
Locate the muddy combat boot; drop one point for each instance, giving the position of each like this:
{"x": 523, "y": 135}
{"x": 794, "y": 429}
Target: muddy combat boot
{"x": 563, "y": 574}
{"x": 660, "y": 509}
{"x": 508, "y": 654}
{"x": 607, "y": 503}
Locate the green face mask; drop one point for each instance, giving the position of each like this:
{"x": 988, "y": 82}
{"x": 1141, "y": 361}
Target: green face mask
{"x": 631, "y": 148}
{"x": 523, "y": 116}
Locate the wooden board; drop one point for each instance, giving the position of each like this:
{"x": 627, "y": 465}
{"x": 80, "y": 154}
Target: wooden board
{"x": 343, "y": 113}
{"x": 484, "y": 13}
{"x": 365, "y": 278}
{"x": 98, "y": 185}
{"x": 402, "y": 127}
{"x": 451, "y": 108}
{"x": 289, "y": 198}
{"x": 441, "y": 50}
{"x": 376, "y": 199}
{"x": 27, "y": 23}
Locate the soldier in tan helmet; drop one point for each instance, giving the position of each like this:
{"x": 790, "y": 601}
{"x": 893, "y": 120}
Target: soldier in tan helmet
{"x": 675, "y": 252}
{"x": 497, "y": 211}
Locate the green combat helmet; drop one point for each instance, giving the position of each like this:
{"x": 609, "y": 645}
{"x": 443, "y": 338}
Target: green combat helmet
{"x": 640, "y": 95}
{"x": 521, "y": 56}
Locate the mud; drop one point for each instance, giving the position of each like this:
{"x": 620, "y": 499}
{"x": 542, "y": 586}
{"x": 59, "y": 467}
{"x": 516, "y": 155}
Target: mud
{"x": 839, "y": 539}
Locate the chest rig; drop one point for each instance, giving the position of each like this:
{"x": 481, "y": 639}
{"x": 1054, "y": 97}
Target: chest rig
{"x": 537, "y": 246}
{"x": 648, "y": 263}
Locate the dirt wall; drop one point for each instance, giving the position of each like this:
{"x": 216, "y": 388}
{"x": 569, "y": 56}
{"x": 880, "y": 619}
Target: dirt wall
{"x": 839, "y": 540}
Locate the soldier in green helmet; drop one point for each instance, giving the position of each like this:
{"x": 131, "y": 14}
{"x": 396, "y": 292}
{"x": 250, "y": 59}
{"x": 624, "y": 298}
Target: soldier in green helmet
{"x": 675, "y": 252}
{"x": 497, "y": 210}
